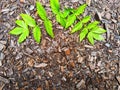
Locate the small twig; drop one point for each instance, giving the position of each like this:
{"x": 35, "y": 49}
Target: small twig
{"x": 28, "y": 55}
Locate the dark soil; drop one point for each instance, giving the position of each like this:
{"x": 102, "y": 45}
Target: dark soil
{"x": 62, "y": 63}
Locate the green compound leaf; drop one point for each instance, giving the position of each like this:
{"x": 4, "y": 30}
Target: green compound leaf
{"x": 80, "y": 9}
{"x": 23, "y": 36}
{"x": 77, "y": 27}
{"x": 16, "y": 31}
{"x": 37, "y": 34}
{"x": 65, "y": 12}
{"x": 83, "y": 34}
{"x": 92, "y": 24}
{"x": 90, "y": 38}
{"x": 48, "y": 26}
{"x": 55, "y": 6}
{"x": 98, "y": 37}
{"x": 98, "y": 30}
{"x": 86, "y": 19}
{"x": 21, "y": 23}
{"x": 28, "y": 20}
{"x": 60, "y": 20}
{"x": 41, "y": 11}
{"x": 70, "y": 20}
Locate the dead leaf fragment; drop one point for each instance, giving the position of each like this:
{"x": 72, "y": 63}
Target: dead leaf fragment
{"x": 31, "y": 62}
{"x": 81, "y": 84}
{"x": 88, "y": 46}
{"x": 22, "y": 1}
{"x": 72, "y": 64}
{"x": 67, "y": 51}
{"x": 80, "y": 59}
{"x": 71, "y": 74}
{"x": 88, "y": 2}
{"x": 1, "y": 87}
{"x": 47, "y": 84}
{"x": 41, "y": 65}
{"x": 62, "y": 68}
{"x": 39, "y": 88}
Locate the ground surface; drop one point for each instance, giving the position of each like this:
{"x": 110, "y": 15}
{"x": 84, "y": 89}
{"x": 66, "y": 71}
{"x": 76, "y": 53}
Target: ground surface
{"x": 62, "y": 63}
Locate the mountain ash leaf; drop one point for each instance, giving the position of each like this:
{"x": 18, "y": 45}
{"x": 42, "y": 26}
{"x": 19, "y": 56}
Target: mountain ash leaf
{"x": 98, "y": 37}
{"x": 37, "y": 34}
{"x": 83, "y": 34}
{"x": 90, "y": 38}
{"x": 86, "y": 19}
{"x": 65, "y": 13}
{"x": 92, "y": 24}
{"x": 48, "y": 27}
{"x": 55, "y": 6}
{"x": 70, "y": 20}
{"x": 23, "y": 36}
{"x": 28, "y": 20}
{"x": 60, "y": 20}
{"x": 80, "y": 9}
{"x": 98, "y": 30}
{"x": 21, "y": 23}
{"x": 41, "y": 11}
{"x": 77, "y": 27}
{"x": 16, "y": 31}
